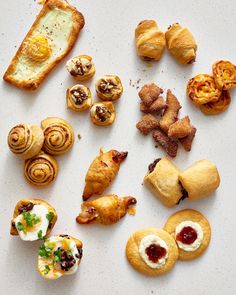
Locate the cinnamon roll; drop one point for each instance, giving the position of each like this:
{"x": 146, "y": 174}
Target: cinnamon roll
{"x": 224, "y": 73}
{"x": 79, "y": 98}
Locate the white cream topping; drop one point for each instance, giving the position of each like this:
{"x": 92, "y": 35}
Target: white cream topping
{"x": 145, "y": 243}
{"x": 71, "y": 64}
{"x": 196, "y": 244}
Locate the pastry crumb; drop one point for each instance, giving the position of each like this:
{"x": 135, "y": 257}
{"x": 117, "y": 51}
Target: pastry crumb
{"x": 79, "y": 136}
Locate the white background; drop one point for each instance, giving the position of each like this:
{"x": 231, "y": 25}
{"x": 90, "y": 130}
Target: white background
{"x": 109, "y": 38}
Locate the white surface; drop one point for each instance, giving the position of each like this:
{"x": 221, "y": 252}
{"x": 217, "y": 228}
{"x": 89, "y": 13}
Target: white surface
{"x": 108, "y": 37}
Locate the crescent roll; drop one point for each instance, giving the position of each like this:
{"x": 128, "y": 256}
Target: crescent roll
{"x": 224, "y": 73}
{"x": 150, "y": 40}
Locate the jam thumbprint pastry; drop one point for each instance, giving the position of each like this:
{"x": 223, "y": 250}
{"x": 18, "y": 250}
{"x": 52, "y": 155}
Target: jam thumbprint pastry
{"x": 59, "y": 136}
{"x": 78, "y": 98}
{"x": 150, "y": 40}
{"x": 25, "y": 140}
{"x": 105, "y": 210}
{"x": 41, "y": 170}
{"x": 59, "y": 255}
{"x": 109, "y": 87}
{"x": 103, "y": 113}
{"x": 81, "y": 67}
{"x": 224, "y": 73}
{"x": 152, "y": 251}
{"x": 32, "y": 219}
{"x": 102, "y": 172}
{"x": 192, "y": 232}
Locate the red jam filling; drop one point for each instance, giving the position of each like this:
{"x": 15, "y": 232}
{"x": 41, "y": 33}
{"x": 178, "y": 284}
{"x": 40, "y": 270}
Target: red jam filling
{"x": 155, "y": 252}
{"x": 187, "y": 235}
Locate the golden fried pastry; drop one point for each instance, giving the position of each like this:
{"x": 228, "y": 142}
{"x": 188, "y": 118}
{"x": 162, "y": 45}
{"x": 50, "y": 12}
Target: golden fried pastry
{"x": 171, "y": 111}
{"x": 163, "y": 180}
{"x": 156, "y": 107}
{"x": 191, "y": 231}
{"x": 217, "y": 107}
{"x": 59, "y": 255}
{"x": 149, "y": 93}
{"x": 41, "y": 170}
{"x": 109, "y": 87}
{"x": 180, "y": 128}
{"x": 150, "y": 40}
{"x": 202, "y": 89}
{"x": 32, "y": 219}
{"x": 49, "y": 40}
{"x": 105, "y": 210}
{"x": 81, "y": 67}
{"x": 103, "y": 113}
{"x": 78, "y": 98}
{"x": 25, "y": 140}
{"x": 181, "y": 43}
{"x": 187, "y": 141}
{"x": 224, "y": 73}
{"x": 102, "y": 172}
{"x": 200, "y": 179}
{"x": 59, "y": 136}
{"x": 147, "y": 124}
{"x": 167, "y": 143}
{"x": 152, "y": 251}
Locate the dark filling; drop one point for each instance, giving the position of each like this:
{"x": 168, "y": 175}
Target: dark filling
{"x": 155, "y": 252}
{"x": 105, "y": 86}
{"x": 26, "y": 208}
{"x": 118, "y": 157}
{"x": 80, "y": 69}
{"x": 65, "y": 236}
{"x": 188, "y": 235}
{"x": 78, "y": 96}
{"x": 102, "y": 113}
{"x": 152, "y": 166}
{"x": 67, "y": 260}
{"x": 80, "y": 254}
{"x": 184, "y": 193}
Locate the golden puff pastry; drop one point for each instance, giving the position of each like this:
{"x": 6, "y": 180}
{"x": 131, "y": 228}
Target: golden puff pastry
{"x": 109, "y": 87}
{"x": 103, "y": 113}
{"x": 150, "y": 40}
{"x": 217, "y": 107}
{"x": 200, "y": 179}
{"x": 181, "y": 43}
{"x": 224, "y": 73}
{"x": 152, "y": 251}
{"x": 78, "y": 98}
{"x": 81, "y": 67}
{"x": 46, "y": 219}
{"x": 41, "y": 170}
{"x": 59, "y": 136}
{"x": 25, "y": 140}
{"x": 192, "y": 233}
{"x": 202, "y": 89}
{"x": 105, "y": 210}
{"x": 163, "y": 181}
{"x": 102, "y": 172}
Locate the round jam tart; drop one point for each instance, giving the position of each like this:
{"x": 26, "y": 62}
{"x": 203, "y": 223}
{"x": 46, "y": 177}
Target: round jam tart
{"x": 152, "y": 251}
{"x": 109, "y": 87}
{"x": 79, "y": 98}
{"x": 81, "y": 67}
{"x": 103, "y": 113}
{"x": 192, "y": 232}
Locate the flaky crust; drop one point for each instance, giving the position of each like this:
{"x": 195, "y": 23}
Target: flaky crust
{"x": 224, "y": 73}
{"x": 78, "y": 24}
{"x": 71, "y": 103}
{"x": 132, "y": 251}
{"x": 112, "y": 95}
{"x": 13, "y": 230}
{"x": 217, "y": 107}
{"x": 110, "y": 107}
{"x": 189, "y": 215}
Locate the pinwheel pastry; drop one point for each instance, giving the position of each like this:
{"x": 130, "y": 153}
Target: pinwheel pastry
{"x": 59, "y": 136}
{"x": 103, "y": 113}
{"x": 41, "y": 170}
{"x": 152, "y": 251}
{"x": 150, "y": 40}
{"x": 105, "y": 210}
{"x": 59, "y": 255}
{"x": 33, "y": 219}
{"x": 224, "y": 73}
{"x": 81, "y": 67}
{"x": 109, "y": 87}
{"x": 49, "y": 40}
{"x": 217, "y": 107}
{"x": 202, "y": 89}
{"x": 102, "y": 172}
{"x": 79, "y": 98}
{"x": 25, "y": 140}
{"x": 191, "y": 231}
{"x": 181, "y": 43}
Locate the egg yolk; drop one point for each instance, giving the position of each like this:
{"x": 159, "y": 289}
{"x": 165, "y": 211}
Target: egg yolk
{"x": 38, "y": 48}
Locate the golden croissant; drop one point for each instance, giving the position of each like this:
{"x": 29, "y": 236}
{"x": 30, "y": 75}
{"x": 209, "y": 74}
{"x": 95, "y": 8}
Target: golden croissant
{"x": 105, "y": 210}
{"x": 102, "y": 172}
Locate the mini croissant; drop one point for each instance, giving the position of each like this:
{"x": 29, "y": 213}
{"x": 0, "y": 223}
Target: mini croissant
{"x": 102, "y": 172}
{"x": 105, "y": 210}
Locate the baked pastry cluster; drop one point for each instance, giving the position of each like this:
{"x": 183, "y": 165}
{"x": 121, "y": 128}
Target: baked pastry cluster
{"x": 151, "y": 42}
{"x": 38, "y": 146}
{"x": 171, "y": 185}
{"x": 210, "y": 93}
{"x": 167, "y": 130}
{"x": 185, "y": 236}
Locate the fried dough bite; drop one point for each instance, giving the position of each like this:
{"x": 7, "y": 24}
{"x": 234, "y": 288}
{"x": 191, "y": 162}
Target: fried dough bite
{"x": 156, "y": 107}
{"x": 147, "y": 124}
{"x": 168, "y": 144}
{"x": 187, "y": 141}
{"x": 149, "y": 93}
{"x": 180, "y": 128}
